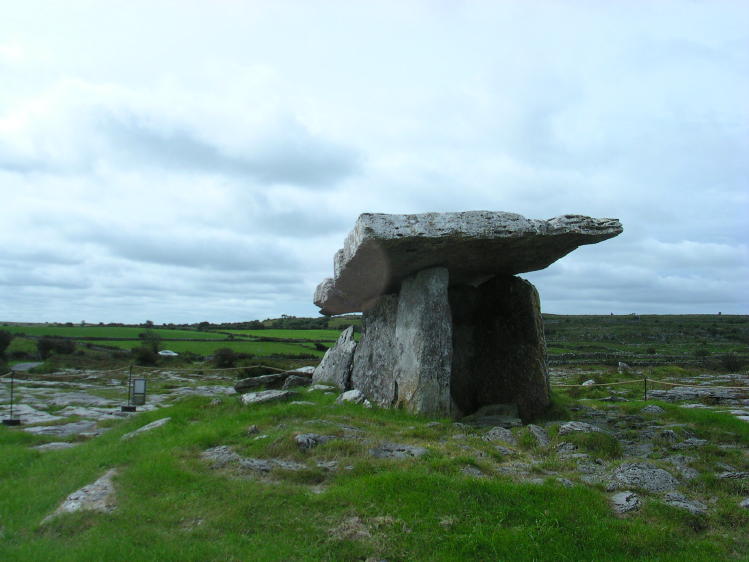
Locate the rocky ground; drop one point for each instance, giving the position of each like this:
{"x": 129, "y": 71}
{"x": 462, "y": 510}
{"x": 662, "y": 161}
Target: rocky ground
{"x": 632, "y": 451}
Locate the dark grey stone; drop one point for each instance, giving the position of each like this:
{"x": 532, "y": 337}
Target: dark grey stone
{"x": 265, "y": 381}
{"x": 499, "y": 347}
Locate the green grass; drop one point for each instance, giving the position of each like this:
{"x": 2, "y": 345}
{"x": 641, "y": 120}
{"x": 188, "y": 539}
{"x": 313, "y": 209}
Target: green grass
{"x": 321, "y": 335}
{"x": 172, "y": 506}
{"x": 259, "y": 349}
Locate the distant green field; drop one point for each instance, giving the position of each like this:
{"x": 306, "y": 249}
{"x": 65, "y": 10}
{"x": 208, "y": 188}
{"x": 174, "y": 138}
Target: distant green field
{"x": 322, "y": 335}
{"x": 208, "y": 348}
{"x": 105, "y": 332}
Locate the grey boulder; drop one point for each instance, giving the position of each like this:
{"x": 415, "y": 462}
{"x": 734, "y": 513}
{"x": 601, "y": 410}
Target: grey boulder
{"x": 335, "y": 367}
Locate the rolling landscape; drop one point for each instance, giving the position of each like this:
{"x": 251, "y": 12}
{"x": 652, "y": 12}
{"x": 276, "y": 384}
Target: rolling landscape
{"x": 197, "y": 488}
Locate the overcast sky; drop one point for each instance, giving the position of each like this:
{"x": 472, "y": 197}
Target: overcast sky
{"x": 203, "y": 160}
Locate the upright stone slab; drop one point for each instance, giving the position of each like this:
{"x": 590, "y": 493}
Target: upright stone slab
{"x": 499, "y": 347}
{"x": 335, "y": 367}
{"x": 374, "y": 358}
{"x": 423, "y": 338}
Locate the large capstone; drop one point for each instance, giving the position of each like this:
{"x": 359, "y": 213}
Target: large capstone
{"x": 382, "y": 250}
{"x": 448, "y": 327}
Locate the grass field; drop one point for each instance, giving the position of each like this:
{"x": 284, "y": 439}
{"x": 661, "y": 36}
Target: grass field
{"x": 318, "y": 335}
{"x": 173, "y": 506}
{"x": 105, "y": 332}
{"x": 208, "y": 348}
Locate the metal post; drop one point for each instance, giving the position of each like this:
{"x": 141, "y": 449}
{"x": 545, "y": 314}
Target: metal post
{"x": 12, "y": 420}
{"x": 645, "y": 380}
{"x": 129, "y": 407}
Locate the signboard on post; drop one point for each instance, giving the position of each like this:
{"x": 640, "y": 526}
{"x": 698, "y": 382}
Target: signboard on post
{"x": 139, "y": 391}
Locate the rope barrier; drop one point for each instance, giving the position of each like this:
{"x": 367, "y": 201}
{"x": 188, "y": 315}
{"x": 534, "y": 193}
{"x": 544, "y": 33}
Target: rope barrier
{"x": 644, "y": 380}
{"x": 599, "y": 384}
{"x": 145, "y": 368}
{"x": 697, "y": 386}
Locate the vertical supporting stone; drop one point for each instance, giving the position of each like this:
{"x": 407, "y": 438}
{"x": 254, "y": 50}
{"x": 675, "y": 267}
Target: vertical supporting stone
{"x": 335, "y": 367}
{"x": 423, "y": 336}
{"x": 499, "y": 347}
{"x": 374, "y": 358}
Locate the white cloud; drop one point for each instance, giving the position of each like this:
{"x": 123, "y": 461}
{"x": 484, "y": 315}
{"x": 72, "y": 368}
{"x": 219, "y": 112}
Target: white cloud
{"x": 208, "y": 165}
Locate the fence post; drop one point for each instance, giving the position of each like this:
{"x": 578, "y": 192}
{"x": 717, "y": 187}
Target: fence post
{"x": 645, "y": 380}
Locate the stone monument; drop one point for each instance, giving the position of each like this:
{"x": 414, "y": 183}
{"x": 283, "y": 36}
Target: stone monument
{"x": 448, "y": 328}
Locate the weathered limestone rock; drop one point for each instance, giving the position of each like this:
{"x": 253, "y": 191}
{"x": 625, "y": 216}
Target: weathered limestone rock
{"x": 97, "y": 496}
{"x": 643, "y": 476}
{"x": 423, "y": 336}
{"x": 375, "y": 355}
{"x": 335, "y": 366}
{"x": 624, "y": 502}
{"x": 382, "y": 250}
{"x": 448, "y": 329}
{"x": 148, "y": 427}
{"x": 266, "y": 396}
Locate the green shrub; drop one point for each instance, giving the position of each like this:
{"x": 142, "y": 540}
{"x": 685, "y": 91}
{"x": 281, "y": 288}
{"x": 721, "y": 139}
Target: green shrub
{"x": 5, "y": 339}
{"x": 224, "y": 358}
{"x": 144, "y": 355}
{"x": 46, "y": 346}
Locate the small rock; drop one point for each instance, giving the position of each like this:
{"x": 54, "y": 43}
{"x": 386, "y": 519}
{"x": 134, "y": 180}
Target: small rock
{"x": 504, "y": 450}
{"x": 624, "y": 502}
{"x": 669, "y": 435}
{"x": 309, "y": 440}
{"x": 396, "y": 451}
{"x": 589, "y": 382}
{"x": 690, "y": 443}
{"x": 253, "y": 430}
{"x": 676, "y": 499}
{"x": 577, "y": 426}
{"x": 267, "y": 381}
{"x": 147, "y": 427}
{"x": 623, "y": 368}
{"x": 54, "y": 446}
{"x": 323, "y": 387}
{"x": 644, "y": 476}
{"x": 539, "y": 433}
{"x": 302, "y": 403}
{"x": 353, "y": 396}
{"x": 470, "y": 470}
{"x": 500, "y": 434}
{"x": 294, "y": 381}
{"x": 566, "y": 482}
{"x": 744, "y": 503}
{"x": 652, "y": 409}
{"x": 266, "y": 396}
{"x": 733, "y": 475}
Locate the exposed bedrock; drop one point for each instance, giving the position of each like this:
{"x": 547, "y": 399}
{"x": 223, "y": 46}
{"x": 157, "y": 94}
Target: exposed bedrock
{"x": 382, "y": 250}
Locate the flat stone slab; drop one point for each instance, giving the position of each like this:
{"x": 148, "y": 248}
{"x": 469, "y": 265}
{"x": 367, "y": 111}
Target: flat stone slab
{"x": 266, "y": 396}
{"x": 382, "y": 250}
{"x": 147, "y": 427}
{"x": 97, "y": 496}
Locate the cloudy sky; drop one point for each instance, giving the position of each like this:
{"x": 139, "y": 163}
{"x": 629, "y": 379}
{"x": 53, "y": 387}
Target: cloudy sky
{"x": 203, "y": 160}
